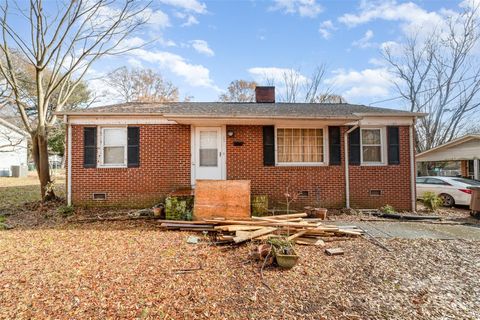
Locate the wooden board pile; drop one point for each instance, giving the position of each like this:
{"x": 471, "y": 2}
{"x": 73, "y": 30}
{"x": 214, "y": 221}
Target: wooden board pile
{"x": 293, "y": 226}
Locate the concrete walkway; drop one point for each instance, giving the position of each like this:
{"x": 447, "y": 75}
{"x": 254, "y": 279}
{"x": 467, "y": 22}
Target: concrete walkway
{"x": 416, "y": 230}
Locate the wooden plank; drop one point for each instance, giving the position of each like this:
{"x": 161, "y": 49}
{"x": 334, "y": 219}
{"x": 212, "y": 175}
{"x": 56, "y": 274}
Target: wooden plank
{"x": 296, "y": 235}
{"x": 349, "y": 232}
{"x": 310, "y": 241}
{"x": 334, "y": 251}
{"x": 284, "y": 216}
{"x": 254, "y": 234}
{"x": 233, "y": 228}
{"x": 228, "y": 199}
{"x": 264, "y": 223}
{"x": 277, "y": 220}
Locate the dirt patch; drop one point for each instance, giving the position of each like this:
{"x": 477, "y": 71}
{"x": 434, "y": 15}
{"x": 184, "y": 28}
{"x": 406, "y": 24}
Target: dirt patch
{"x": 127, "y": 270}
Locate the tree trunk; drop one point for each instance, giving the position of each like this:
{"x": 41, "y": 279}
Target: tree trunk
{"x": 40, "y": 157}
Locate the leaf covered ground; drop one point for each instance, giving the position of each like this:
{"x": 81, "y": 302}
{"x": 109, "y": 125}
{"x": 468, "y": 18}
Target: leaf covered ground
{"x": 131, "y": 270}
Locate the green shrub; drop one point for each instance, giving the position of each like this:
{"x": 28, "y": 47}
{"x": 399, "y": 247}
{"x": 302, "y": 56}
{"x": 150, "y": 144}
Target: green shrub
{"x": 387, "y": 209}
{"x": 431, "y": 200}
{"x": 66, "y": 210}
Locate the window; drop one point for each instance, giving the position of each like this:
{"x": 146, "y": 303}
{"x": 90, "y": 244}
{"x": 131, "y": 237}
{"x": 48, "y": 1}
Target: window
{"x": 298, "y": 145}
{"x": 114, "y": 147}
{"x": 208, "y": 149}
{"x": 421, "y": 180}
{"x": 437, "y": 182}
{"x": 371, "y": 142}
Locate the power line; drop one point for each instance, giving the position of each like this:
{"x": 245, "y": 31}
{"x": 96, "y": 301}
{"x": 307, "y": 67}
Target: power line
{"x": 421, "y": 91}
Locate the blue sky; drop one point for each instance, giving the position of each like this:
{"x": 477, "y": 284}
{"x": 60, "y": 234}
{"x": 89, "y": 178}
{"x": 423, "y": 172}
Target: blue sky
{"x": 203, "y": 45}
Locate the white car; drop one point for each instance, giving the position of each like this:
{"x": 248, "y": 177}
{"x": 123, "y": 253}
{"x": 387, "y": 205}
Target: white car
{"x": 452, "y": 190}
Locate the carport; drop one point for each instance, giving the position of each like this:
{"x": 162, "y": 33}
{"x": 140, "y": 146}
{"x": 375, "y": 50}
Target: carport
{"x": 465, "y": 150}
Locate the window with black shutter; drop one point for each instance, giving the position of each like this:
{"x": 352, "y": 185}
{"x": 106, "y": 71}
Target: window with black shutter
{"x": 269, "y": 145}
{"x": 354, "y": 147}
{"x": 335, "y": 146}
{"x": 393, "y": 138}
{"x": 133, "y": 152}
{"x": 89, "y": 147}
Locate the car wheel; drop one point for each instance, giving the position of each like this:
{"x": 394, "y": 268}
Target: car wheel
{"x": 447, "y": 199}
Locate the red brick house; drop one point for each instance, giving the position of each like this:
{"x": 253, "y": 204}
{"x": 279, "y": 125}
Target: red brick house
{"x": 333, "y": 155}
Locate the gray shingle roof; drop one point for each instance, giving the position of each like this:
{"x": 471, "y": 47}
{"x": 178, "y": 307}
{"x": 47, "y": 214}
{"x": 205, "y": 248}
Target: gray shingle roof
{"x": 239, "y": 110}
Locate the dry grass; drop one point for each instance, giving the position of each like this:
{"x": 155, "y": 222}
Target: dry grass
{"x": 127, "y": 270}
{"x": 17, "y": 191}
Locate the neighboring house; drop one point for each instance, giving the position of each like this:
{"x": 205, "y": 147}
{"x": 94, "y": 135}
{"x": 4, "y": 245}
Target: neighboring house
{"x": 13, "y": 147}
{"x": 465, "y": 150}
{"x": 134, "y": 154}
{"x": 55, "y": 161}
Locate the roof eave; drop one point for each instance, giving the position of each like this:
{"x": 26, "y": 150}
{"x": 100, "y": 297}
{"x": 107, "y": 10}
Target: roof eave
{"x": 391, "y": 114}
{"x": 449, "y": 144}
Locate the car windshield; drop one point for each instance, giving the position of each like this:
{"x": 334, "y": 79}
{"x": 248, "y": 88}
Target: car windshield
{"x": 468, "y": 181}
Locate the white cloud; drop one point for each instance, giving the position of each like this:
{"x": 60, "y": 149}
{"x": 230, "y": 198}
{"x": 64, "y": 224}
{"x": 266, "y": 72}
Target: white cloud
{"x": 274, "y": 74}
{"x": 201, "y": 46}
{"x": 135, "y": 63}
{"x": 366, "y": 84}
{"x": 156, "y": 19}
{"x": 130, "y": 43}
{"x": 188, "y": 5}
{"x": 414, "y": 17}
{"x": 194, "y": 74}
{"x": 191, "y": 20}
{"x": 364, "y": 42}
{"x": 326, "y": 28}
{"x": 305, "y": 8}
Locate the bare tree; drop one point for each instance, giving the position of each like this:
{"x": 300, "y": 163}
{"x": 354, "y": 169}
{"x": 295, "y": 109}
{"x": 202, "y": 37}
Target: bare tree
{"x": 142, "y": 85}
{"x": 11, "y": 138}
{"x": 440, "y": 75}
{"x": 60, "y": 48}
{"x": 239, "y": 91}
{"x": 296, "y": 87}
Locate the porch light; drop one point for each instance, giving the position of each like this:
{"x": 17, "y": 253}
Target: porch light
{"x": 230, "y": 133}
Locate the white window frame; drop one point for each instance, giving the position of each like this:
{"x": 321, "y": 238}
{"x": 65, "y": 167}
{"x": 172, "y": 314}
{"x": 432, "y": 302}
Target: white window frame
{"x": 382, "y": 147}
{"x": 101, "y": 140}
{"x": 303, "y": 164}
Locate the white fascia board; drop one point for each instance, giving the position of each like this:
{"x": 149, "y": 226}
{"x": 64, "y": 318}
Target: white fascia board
{"x": 391, "y": 114}
{"x": 120, "y": 120}
{"x": 386, "y": 121}
{"x": 262, "y": 121}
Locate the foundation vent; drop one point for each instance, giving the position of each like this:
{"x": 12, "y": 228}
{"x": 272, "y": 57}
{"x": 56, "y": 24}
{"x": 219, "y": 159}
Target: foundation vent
{"x": 100, "y": 196}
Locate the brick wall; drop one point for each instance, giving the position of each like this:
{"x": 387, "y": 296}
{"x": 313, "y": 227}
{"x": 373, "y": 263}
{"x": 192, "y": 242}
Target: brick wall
{"x": 246, "y": 162}
{"x": 164, "y": 166}
{"x": 392, "y": 180}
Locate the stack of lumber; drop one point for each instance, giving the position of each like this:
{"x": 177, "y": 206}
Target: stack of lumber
{"x": 293, "y": 226}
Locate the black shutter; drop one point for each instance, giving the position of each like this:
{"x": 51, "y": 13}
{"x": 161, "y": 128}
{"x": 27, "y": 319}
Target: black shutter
{"x": 354, "y": 147}
{"x": 335, "y": 145}
{"x": 133, "y": 152}
{"x": 89, "y": 147}
{"x": 393, "y": 139}
{"x": 268, "y": 145}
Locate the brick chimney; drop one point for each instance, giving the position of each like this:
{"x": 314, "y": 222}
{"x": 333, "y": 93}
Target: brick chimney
{"x": 264, "y": 94}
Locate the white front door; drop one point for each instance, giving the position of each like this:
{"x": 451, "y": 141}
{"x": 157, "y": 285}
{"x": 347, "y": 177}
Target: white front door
{"x": 208, "y": 153}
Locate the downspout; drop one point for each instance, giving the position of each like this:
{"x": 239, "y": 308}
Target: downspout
{"x": 347, "y": 178}
{"x": 69, "y": 158}
{"x": 412, "y": 171}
